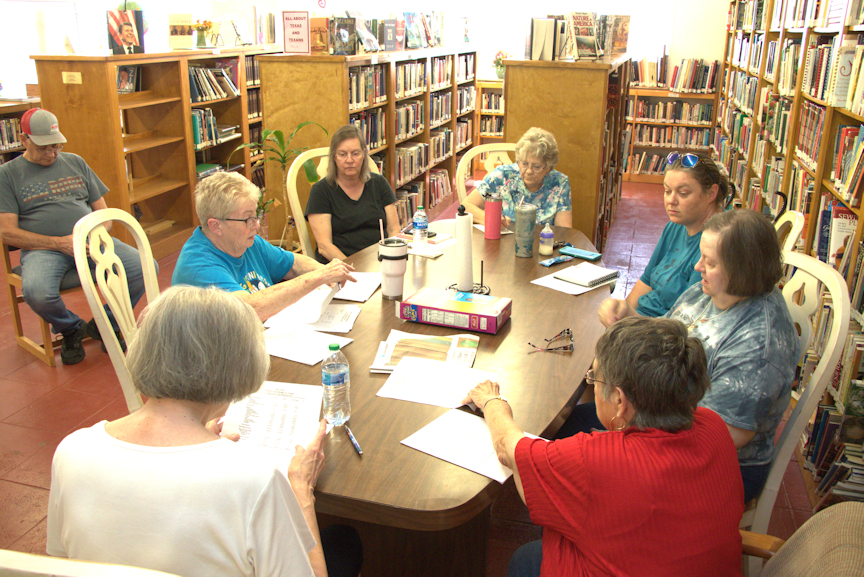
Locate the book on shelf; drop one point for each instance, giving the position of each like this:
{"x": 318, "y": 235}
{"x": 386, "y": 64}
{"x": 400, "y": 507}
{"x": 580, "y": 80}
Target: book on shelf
{"x": 387, "y": 35}
{"x": 343, "y": 37}
{"x": 843, "y": 225}
{"x": 128, "y": 79}
{"x": 583, "y": 35}
{"x": 543, "y": 37}
{"x": 180, "y": 33}
{"x": 368, "y": 40}
{"x": 414, "y": 36}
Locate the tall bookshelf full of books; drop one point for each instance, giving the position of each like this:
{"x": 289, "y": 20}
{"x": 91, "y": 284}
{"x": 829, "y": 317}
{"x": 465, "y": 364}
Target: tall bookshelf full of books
{"x": 176, "y": 117}
{"x": 590, "y": 144}
{"x": 791, "y": 122}
{"x": 416, "y": 108}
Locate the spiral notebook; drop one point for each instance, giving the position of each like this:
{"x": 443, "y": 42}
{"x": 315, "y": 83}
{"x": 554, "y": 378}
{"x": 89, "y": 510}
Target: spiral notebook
{"x": 587, "y": 274}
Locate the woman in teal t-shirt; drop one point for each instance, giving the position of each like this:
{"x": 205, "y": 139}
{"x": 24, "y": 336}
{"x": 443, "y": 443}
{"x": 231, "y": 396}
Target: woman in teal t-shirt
{"x": 694, "y": 190}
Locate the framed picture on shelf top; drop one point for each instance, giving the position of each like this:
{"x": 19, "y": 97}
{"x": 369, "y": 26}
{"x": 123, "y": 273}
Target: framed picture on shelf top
{"x": 125, "y": 31}
{"x": 295, "y": 27}
{"x": 127, "y": 79}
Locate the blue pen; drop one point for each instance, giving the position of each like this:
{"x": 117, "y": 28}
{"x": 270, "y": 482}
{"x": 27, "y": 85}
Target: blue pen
{"x": 353, "y": 440}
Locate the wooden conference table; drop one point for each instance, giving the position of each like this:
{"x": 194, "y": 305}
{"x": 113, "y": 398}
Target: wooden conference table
{"x": 418, "y": 514}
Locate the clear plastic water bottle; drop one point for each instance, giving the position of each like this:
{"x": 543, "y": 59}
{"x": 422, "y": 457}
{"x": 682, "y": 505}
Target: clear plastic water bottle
{"x": 421, "y": 226}
{"x": 336, "y": 380}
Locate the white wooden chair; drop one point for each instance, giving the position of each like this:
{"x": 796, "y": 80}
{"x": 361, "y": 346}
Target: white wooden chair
{"x": 497, "y": 155}
{"x": 810, "y": 274}
{"x": 297, "y": 209}
{"x": 789, "y": 228}
{"x": 90, "y": 237}
{"x": 17, "y": 564}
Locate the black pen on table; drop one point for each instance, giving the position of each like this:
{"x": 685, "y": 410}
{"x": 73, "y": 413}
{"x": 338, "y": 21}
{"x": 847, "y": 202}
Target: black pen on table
{"x": 353, "y": 440}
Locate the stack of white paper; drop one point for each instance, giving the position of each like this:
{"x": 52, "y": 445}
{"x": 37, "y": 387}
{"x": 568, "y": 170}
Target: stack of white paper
{"x": 360, "y": 291}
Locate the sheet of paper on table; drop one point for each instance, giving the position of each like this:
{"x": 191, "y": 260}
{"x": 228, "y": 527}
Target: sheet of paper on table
{"x": 427, "y": 250}
{"x": 549, "y": 281}
{"x": 337, "y": 319}
{"x": 462, "y": 439}
{"x": 307, "y": 310}
{"x": 300, "y": 344}
{"x": 432, "y": 382}
{"x": 482, "y": 228}
{"x": 461, "y": 349}
{"x": 279, "y": 416}
{"x": 360, "y": 291}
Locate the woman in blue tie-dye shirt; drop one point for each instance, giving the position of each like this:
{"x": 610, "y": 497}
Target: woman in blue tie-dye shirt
{"x": 531, "y": 178}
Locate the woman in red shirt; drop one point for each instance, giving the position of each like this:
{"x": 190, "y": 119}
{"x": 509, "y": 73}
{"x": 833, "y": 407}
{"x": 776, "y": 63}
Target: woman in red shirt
{"x": 659, "y": 493}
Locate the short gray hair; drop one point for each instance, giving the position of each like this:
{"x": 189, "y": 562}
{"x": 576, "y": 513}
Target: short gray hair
{"x": 344, "y": 133}
{"x": 662, "y": 370}
{"x": 219, "y": 195}
{"x": 539, "y": 143}
{"x": 200, "y": 345}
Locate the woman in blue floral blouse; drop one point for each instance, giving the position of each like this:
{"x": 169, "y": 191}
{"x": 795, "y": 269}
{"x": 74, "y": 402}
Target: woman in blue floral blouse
{"x": 532, "y": 178}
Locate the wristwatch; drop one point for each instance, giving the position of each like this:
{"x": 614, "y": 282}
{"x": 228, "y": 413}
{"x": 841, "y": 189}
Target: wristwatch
{"x": 499, "y": 398}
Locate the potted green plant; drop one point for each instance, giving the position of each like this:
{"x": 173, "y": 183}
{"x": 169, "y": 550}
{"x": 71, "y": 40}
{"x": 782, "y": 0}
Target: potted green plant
{"x": 277, "y": 148}
{"x": 498, "y": 63}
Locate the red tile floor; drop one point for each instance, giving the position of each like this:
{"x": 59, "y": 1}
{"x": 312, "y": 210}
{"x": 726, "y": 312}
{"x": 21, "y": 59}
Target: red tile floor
{"x": 39, "y": 405}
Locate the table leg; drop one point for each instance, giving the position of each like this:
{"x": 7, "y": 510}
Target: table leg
{"x": 388, "y": 551}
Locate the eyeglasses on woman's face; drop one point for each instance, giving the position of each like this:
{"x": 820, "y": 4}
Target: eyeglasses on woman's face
{"x": 353, "y": 154}
{"x": 251, "y": 222}
{"x": 589, "y": 378}
{"x": 535, "y": 167}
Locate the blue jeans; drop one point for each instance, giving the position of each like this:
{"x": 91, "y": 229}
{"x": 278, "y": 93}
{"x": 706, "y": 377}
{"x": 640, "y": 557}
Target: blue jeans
{"x": 526, "y": 561}
{"x": 42, "y": 271}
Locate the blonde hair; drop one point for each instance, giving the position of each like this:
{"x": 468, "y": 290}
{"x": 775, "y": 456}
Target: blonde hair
{"x": 219, "y": 195}
{"x": 538, "y": 143}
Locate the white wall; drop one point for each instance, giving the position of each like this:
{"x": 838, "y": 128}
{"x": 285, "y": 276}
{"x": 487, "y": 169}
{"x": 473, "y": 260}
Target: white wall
{"x": 686, "y": 28}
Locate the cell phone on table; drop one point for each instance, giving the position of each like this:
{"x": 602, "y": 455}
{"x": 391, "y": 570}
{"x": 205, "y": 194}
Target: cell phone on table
{"x": 429, "y": 233}
{"x": 579, "y": 253}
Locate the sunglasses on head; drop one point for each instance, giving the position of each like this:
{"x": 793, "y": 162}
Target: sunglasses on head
{"x": 688, "y": 160}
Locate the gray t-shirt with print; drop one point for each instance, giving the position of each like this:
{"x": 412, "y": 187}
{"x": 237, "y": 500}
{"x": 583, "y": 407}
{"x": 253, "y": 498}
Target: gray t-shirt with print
{"x": 752, "y": 350}
{"x": 49, "y": 200}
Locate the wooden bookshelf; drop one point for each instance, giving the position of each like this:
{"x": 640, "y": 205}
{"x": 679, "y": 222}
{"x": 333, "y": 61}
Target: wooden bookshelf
{"x": 288, "y": 80}
{"x": 141, "y": 144}
{"x": 540, "y": 93}
{"x": 635, "y": 122}
{"x": 12, "y": 110}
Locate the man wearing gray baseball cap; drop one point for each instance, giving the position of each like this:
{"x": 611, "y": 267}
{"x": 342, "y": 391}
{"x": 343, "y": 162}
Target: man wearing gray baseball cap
{"x": 43, "y": 193}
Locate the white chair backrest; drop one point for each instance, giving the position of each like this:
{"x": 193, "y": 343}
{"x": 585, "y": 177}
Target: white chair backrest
{"x": 91, "y": 238}
{"x": 297, "y": 209}
{"x": 789, "y": 228}
{"x": 801, "y": 293}
{"x": 17, "y": 564}
{"x": 497, "y": 154}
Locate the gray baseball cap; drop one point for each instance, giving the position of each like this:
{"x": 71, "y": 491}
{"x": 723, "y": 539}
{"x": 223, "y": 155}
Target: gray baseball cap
{"x": 41, "y": 126}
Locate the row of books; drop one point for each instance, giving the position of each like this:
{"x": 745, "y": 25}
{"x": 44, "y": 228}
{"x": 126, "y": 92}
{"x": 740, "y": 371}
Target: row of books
{"x": 847, "y": 161}
{"x": 373, "y": 125}
{"x": 252, "y": 70}
{"x": 439, "y": 186}
{"x": 834, "y": 13}
{"x": 743, "y": 89}
{"x": 367, "y": 86}
{"x": 750, "y": 15}
{"x": 694, "y": 76}
{"x": 412, "y": 159}
{"x": 855, "y": 91}
{"x": 835, "y": 231}
{"x": 824, "y": 59}
{"x": 738, "y": 51}
{"x": 408, "y": 197}
{"x": 10, "y": 133}
{"x": 440, "y": 108}
{"x": 672, "y": 111}
{"x": 204, "y": 130}
{"x": 491, "y": 126}
{"x": 786, "y": 71}
{"x": 380, "y": 160}
{"x": 492, "y": 102}
{"x": 440, "y": 144}
{"x": 649, "y": 72}
{"x": 809, "y": 133}
{"x": 465, "y": 68}
{"x": 255, "y": 132}
{"x": 738, "y": 126}
{"x": 354, "y": 33}
{"x": 441, "y": 71}
{"x": 672, "y": 136}
{"x": 464, "y": 130}
{"x": 644, "y": 163}
{"x": 773, "y": 114}
{"x": 410, "y": 79}
{"x": 253, "y": 104}
{"x": 210, "y": 84}
{"x": 409, "y": 119}
{"x": 466, "y": 98}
